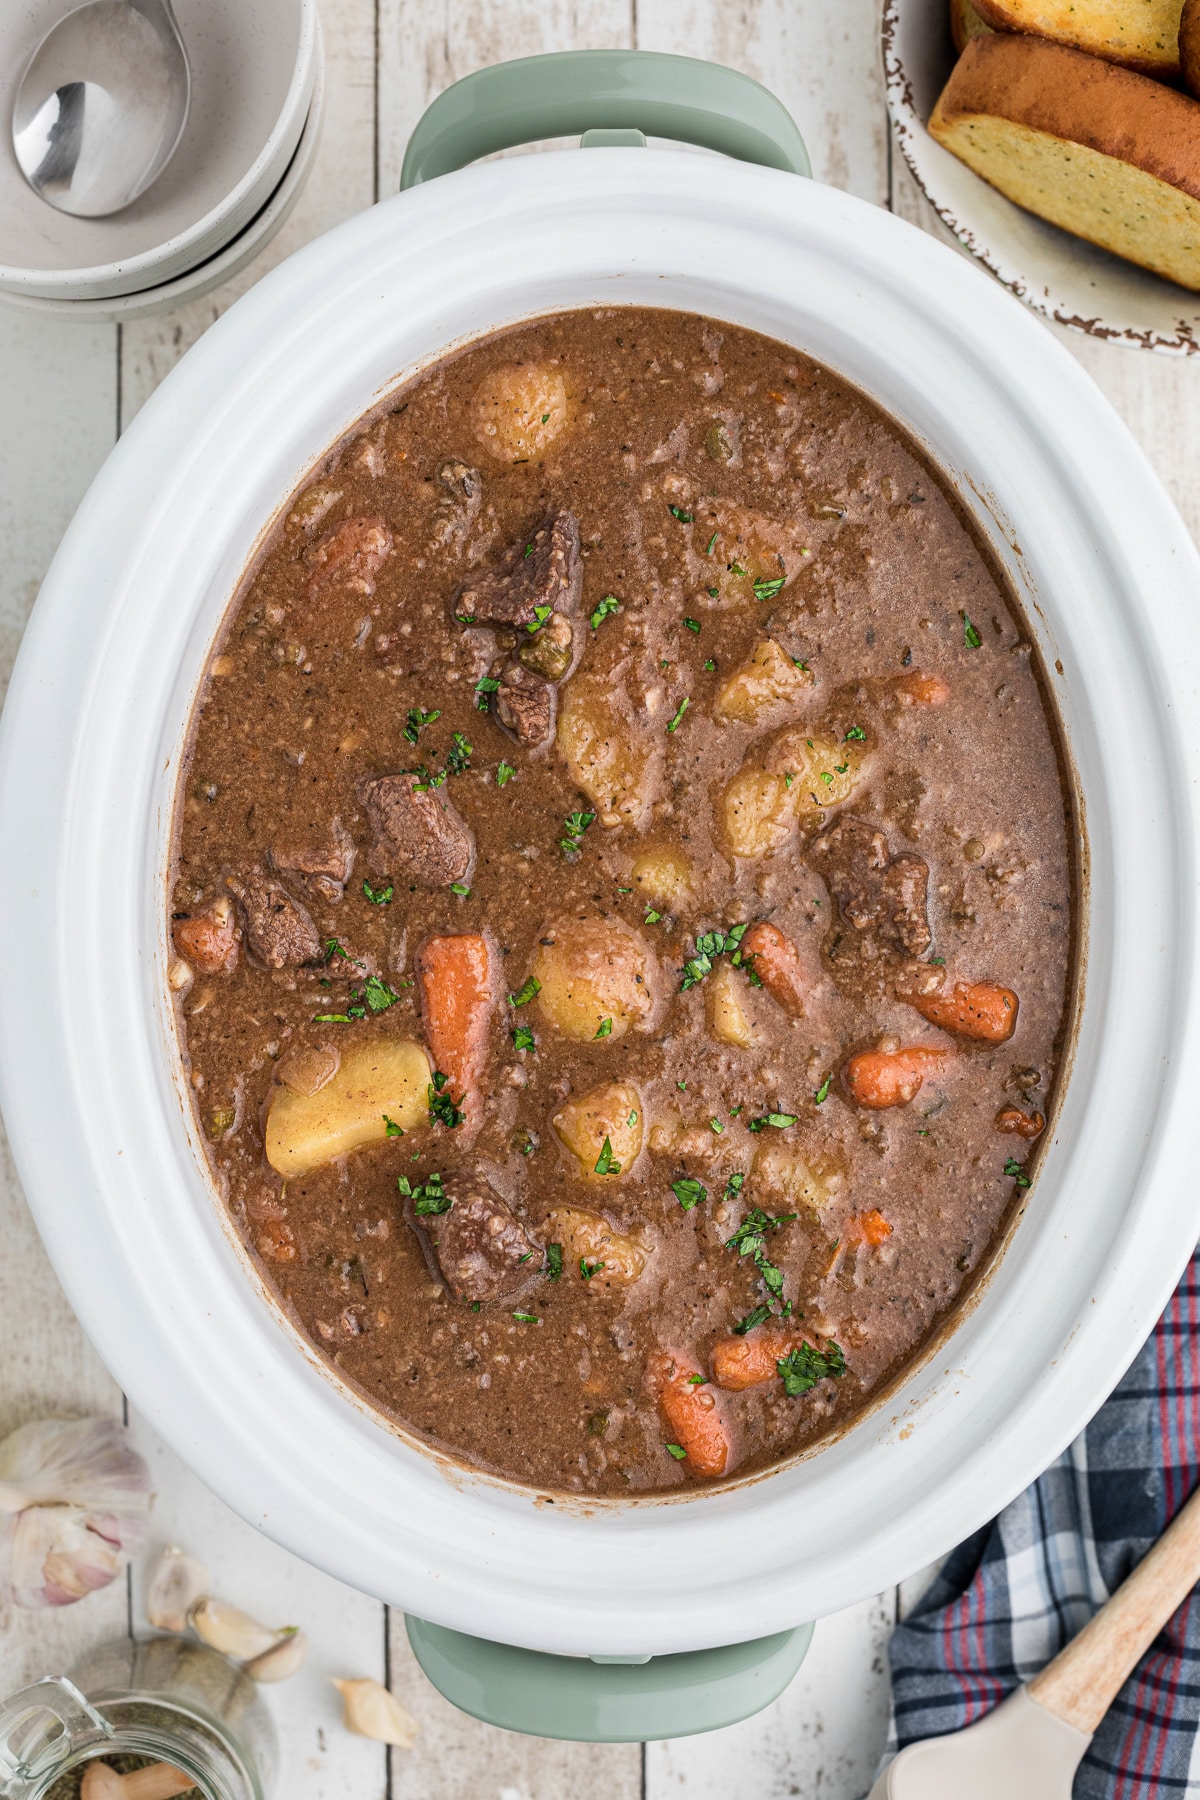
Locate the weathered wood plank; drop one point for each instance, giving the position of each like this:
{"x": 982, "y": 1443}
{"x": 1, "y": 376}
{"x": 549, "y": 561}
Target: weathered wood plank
{"x": 457, "y": 1758}
{"x": 823, "y": 62}
{"x": 820, "y": 1740}
{"x": 341, "y": 183}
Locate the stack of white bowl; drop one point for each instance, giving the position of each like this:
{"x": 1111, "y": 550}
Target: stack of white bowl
{"x": 246, "y": 150}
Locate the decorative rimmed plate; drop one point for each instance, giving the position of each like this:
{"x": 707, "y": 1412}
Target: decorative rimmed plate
{"x": 1060, "y": 276}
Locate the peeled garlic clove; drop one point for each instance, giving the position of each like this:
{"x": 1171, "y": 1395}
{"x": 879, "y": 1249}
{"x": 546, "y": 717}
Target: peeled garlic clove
{"x": 282, "y": 1660}
{"x": 370, "y": 1711}
{"x": 78, "y": 1496}
{"x": 230, "y": 1630}
{"x": 177, "y": 1584}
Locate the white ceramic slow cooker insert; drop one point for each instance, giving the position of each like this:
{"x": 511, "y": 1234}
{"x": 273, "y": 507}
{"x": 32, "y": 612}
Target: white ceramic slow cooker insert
{"x": 91, "y": 744}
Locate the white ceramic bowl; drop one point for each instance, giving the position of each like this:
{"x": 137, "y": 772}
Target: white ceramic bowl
{"x": 90, "y": 746}
{"x": 1063, "y": 277}
{"x": 193, "y": 284}
{"x": 253, "y": 69}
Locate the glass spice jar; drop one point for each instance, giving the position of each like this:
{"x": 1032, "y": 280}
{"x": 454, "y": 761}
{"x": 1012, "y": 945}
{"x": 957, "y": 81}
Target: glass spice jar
{"x": 162, "y": 1699}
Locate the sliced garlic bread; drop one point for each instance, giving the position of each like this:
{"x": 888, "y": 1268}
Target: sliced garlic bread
{"x": 965, "y": 23}
{"x": 1141, "y": 34}
{"x": 1101, "y": 151}
{"x": 1189, "y": 43}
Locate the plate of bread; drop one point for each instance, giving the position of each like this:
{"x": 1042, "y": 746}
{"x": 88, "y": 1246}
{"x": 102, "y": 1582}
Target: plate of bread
{"x": 1059, "y": 140}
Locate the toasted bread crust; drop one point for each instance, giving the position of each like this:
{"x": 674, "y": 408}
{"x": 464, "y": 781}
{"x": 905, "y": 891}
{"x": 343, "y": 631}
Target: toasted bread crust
{"x": 967, "y": 22}
{"x": 1189, "y": 44}
{"x": 1078, "y": 99}
{"x": 1104, "y": 28}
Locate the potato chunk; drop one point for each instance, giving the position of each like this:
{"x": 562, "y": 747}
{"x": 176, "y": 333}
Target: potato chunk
{"x": 383, "y": 1081}
{"x": 598, "y": 978}
{"x": 754, "y": 556}
{"x": 770, "y": 681}
{"x": 518, "y": 411}
{"x": 612, "y": 1114}
{"x": 784, "y": 1176}
{"x": 664, "y": 875}
{"x": 729, "y": 1018}
{"x": 609, "y": 758}
{"x": 797, "y": 780}
{"x": 589, "y": 1238}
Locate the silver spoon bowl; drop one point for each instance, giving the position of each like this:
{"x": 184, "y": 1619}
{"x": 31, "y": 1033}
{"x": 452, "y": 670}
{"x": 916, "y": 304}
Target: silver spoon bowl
{"x": 102, "y": 105}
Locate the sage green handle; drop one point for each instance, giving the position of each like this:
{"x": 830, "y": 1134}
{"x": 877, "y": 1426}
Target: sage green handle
{"x": 578, "y": 91}
{"x": 607, "y": 1700}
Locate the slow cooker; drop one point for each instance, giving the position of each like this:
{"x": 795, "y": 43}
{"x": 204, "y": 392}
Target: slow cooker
{"x": 92, "y": 738}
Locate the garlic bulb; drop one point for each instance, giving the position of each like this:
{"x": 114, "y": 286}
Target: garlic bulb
{"x": 177, "y": 1583}
{"x": 282, "y": 1660}
{"x": 370, "y": 1711}
{"x": 231, "y": 1631}
{"x": 76, "y": 1496}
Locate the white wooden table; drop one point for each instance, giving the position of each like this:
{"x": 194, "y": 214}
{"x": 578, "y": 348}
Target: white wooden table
{"x": 65, "y": 392}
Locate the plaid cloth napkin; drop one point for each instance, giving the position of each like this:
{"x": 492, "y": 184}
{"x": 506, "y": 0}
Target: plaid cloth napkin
{"x": 1010, "y": 1597}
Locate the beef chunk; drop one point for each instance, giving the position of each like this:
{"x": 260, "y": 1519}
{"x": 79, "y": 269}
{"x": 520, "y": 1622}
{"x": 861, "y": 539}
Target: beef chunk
{"x": 463, "y": 486}
{"x": 278, "y": 931}
{"x": 524, "y": 704}
{"x": 481, "y": 1249}
{"x": 882, "y": 925}
{"x": 419, "y": 835}
{"x": 209, "y": 940}
{"x": 543, "y": 569}
{"x": 352, "y": 554}
{"x": 324, "y": 868}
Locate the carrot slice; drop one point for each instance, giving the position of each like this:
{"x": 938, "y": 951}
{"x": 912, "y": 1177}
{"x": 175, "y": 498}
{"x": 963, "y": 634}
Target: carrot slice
{"x": 457, "y": 996}
{"x": 869, "y": 1228}
{"x": 974, "y": 1009}
{"x": 691, "y": 1413}
{"x": 1021, "y": 1124}
{"x": 879, "y": 1078}
{"x": 742, "y": 1362}
{"x": 919, "y": 689}
{"x": 778, "y": 964}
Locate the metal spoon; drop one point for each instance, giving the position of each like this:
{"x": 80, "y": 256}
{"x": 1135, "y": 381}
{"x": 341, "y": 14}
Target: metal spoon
{"x": 102, "y": 105}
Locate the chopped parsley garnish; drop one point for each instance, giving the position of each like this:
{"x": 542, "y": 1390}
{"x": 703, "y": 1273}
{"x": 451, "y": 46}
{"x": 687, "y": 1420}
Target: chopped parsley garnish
{"x": 1017, "y": 1171}
{"x": 708, "y": 548}
{"x": 767, "y": 590}
{"x": 652, "y": 917}
{"x": 487, "y": 684}
{"x": 632, "y": 1119}
{"x": 697, "y": 1381}
{"x": 588, "y": 1269}
{"x": 803, "y": 1367}
{"x": 781, "y": 1121}
{"x": 429, "y": 1197}
{"x": 458, "y": 757}
{"x": 379, "y": 896}
{"x": 609, "y": 604}
{"x": 428, "y": 779}
{"x": 689, "y": 1192}
{"x": 735, "y": 568}
{"x": 710, "y": 664}
{"x": 822, "y": 1093}
{"x": 734, "y": 1185}
{"x": 683, "y": 706}
{"x": 826, "y": 777}
{"x": 554, "y": 1261}
{"x": 540, "y": 615}
{"x": 692, "y": 625}
{"x": 524, "y": 995}
{"x": 715, "y": 1124}
{"x": 605, "y": 1028}
{"x": 391, "y": 1127}
{"x": 606, "y": 1162}
{"x": 709, "y": 945}
{"x": 855, "y": 735}
{"x": 333, "y": 948}
{"x": 417, "y": 719}
{"x": 574, "y": 826}
{"x": 504, "y": 772}
{"x": 971, "y": 637}
{"x": 681, "y": 513}
{"x": 460, "y": 888}
{"x": 524, "y": 1318}
{"x": 750, "y": 1239}
{"x": 443, "y": 1109}
{"x": 523, "y": 1038}
{"x": 712, "y": 592}
{"x": 751, "y": 1320}
{"x": 378, "y": 995}
{"x": 677, "y": 1451}
{"x": 939, "y": 960}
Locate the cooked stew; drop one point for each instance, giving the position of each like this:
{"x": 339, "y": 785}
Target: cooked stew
{"x": 622, "y": 917}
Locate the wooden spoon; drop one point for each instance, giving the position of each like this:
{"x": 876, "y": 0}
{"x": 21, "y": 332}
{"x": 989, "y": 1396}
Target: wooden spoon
{"x": 1034, "y": 1741}
{"x": 157, "y": 1782}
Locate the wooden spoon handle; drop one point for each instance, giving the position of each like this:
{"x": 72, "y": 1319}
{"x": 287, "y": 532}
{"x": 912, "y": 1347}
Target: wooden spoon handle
{"x": 1085, "y": 1678}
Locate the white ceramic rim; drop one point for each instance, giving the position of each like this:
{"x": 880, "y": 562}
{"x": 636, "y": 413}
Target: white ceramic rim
{"x": 1110, "y": 303}
{"x": 226, "y": 264}
{"x": 206, "y": 236}
{"x": 90, "y": 741}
